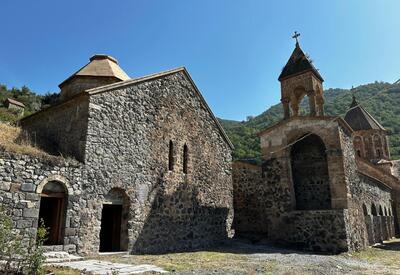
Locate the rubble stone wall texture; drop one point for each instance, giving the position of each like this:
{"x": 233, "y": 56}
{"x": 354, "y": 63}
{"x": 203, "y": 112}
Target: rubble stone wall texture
{"x": 251, "y": 200}
{"x": 126, "y": 148}
{"x": 20, "y": 178}
{"x": 60, "y": 129}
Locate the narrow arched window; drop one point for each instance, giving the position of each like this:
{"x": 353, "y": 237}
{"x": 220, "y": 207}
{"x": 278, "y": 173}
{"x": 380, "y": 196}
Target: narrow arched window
{"x": 359, "y": 153}
{"x": 373, "y": 210}
{"x": 378, "y": 153}
{"x": 185, "y": 159}
{"x": 380, "y": 211}
{"x": 171, "y": 156}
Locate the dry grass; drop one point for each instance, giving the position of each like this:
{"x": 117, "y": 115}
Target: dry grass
{"x": 12, "y": 140}
{"x": 238, "y": 258}
{"x": 387, "y": 254}
{"x": 202, "y": 262}
{"x": 62, "y": 270}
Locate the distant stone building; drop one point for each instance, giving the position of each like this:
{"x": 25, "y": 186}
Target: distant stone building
{"x": 15, "y": 105}
{"x": 153, "y": 170}
{"x": 323, "y": 184}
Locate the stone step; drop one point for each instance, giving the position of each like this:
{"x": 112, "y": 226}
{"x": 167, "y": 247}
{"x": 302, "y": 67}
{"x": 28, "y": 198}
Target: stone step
{"x": 60, "y": 257}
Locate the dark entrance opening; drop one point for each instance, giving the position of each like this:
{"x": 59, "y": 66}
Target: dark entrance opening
{"x": 52, "y": 212}
{"x": 110, "y": 232}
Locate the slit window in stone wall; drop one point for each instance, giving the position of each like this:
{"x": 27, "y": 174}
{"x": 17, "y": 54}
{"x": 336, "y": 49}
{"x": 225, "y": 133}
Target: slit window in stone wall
{"x": 310, "y": 174}
{"x": 171, "y": 156}
{"x": 185, "y": 158}
{"x": 52, "y": 211}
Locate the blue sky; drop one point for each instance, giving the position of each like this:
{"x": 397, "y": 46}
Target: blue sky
{"x": 234, "y": 50}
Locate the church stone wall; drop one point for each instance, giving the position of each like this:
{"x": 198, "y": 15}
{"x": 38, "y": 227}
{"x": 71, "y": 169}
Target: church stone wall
{"x": 128, "y": 137}
{"x": 251, "y": 200}
{"x": 61, "y": 128}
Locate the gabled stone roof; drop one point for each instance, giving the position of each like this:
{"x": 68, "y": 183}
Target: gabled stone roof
{"x": 100, "y": 65}
{"x": 298, "y": 63}
{"x": 359, "y": 119}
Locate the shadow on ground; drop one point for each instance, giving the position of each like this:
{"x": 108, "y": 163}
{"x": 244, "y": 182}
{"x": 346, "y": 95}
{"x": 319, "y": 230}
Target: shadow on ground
{"x": 391, "y": 245}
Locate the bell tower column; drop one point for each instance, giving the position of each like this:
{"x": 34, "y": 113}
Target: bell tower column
{"x": 311, "y": 102}
{"x": 286, "y": 108}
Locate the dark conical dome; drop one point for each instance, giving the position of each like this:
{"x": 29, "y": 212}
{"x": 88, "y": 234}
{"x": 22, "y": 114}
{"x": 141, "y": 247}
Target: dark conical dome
{"x": 298, "y": 63}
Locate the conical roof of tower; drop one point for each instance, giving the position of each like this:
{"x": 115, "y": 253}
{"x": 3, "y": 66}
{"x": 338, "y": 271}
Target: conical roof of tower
{"x": 359, "y": 119}
{"x": 298, "y": 63}
{"x": 100, "y": 65}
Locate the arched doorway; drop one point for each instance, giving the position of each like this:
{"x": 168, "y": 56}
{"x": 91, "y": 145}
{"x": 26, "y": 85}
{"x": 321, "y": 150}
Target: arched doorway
{"x": 114, "y": 221}
{"x": 310, "y": 174}
{"x": 52, "y": 211}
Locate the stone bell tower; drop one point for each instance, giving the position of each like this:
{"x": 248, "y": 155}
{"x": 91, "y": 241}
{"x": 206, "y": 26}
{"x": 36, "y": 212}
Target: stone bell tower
{"x": 299, "y": 78}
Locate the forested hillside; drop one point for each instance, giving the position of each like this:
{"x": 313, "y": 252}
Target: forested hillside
{"x": 382, "y": 100}
{"x": 33, "y": 102}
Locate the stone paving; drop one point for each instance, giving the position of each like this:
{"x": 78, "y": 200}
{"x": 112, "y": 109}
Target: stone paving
{"x": 103, "y": 267}
{"x": 60, "y": 256}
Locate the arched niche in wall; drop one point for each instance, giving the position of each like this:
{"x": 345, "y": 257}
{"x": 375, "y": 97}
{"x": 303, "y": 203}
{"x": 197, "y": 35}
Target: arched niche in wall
{"x": 310, "y": 175}
{"x": 373, "y": 210}
{"x": 380, "y": 210}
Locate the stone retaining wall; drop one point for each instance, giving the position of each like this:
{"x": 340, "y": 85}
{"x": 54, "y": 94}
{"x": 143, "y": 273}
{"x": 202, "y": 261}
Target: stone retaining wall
{"x": 20, "y": 177}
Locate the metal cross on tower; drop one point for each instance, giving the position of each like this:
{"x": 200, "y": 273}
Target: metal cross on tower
{"x": 295, "y": 36}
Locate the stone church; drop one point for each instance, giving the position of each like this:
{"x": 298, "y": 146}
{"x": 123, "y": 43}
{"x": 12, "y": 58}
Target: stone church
{"x": 146, "y": 166}
{"x": 325, "y": 183}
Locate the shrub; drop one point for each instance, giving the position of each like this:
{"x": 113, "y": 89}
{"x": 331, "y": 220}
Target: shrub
{"x": 14, "y": 258}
